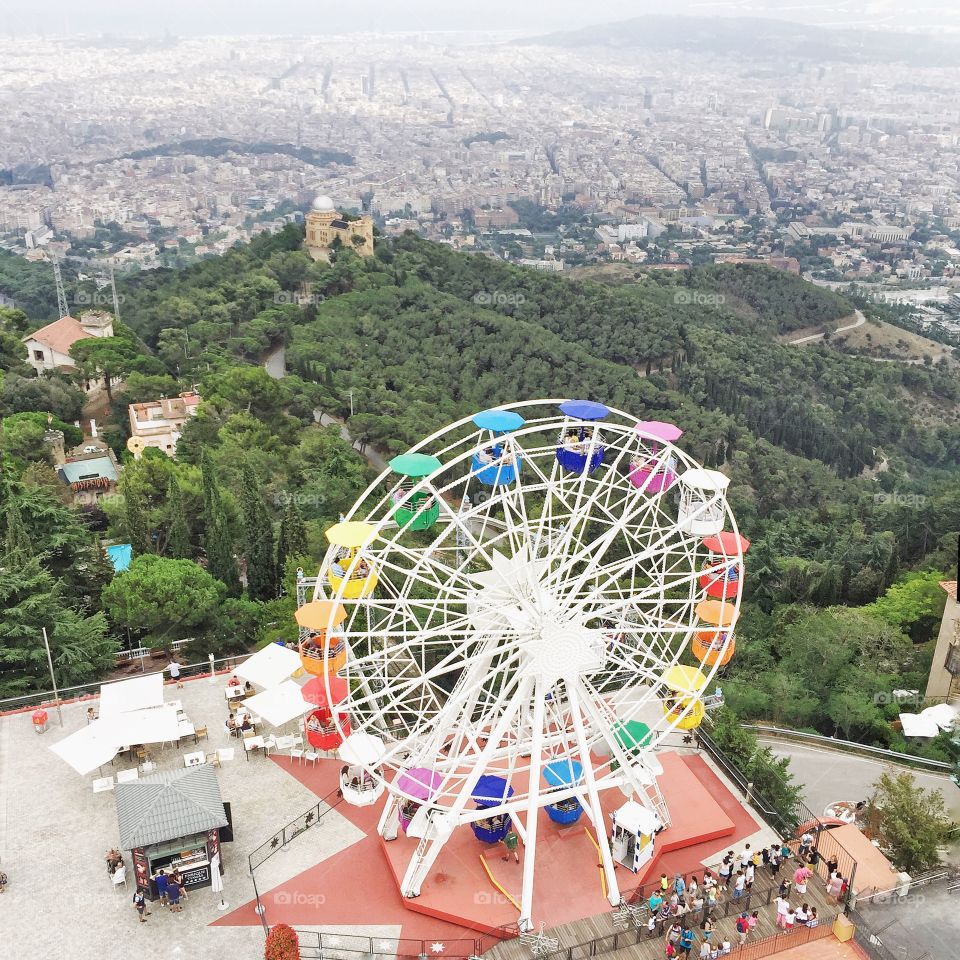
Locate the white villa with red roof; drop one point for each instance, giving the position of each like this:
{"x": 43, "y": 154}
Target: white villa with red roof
{"x": 49, "y": 347}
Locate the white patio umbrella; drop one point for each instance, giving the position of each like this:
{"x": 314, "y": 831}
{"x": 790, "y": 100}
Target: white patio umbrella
{"x": 270, "y": 666}
{"x": 88, "y": 748}
{"x": 124, "y": 696}
{"x": 279, "y": 705}
{"x": 216, "y": 881}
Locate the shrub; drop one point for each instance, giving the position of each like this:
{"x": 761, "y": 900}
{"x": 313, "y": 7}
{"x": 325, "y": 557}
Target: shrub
{"x": 281, "y": 944}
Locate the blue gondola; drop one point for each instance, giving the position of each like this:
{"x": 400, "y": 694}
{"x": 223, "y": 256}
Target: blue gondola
{"x": 564, "y": 773}
{"x": 499, "y": 462}
{"x": 491, "y": 792}
{"x": 578, "y": 450}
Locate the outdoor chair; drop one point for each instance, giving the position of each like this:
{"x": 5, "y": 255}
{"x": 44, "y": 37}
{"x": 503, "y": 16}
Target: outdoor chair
{"x": 119, "y": 876}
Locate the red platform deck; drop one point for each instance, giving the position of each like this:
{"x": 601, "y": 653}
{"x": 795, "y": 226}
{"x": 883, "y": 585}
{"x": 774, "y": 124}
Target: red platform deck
{"x": 457, "y": 896}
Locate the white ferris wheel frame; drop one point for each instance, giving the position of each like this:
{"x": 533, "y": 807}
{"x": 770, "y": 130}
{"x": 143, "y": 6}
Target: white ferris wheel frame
{"x": 523, "y": 722}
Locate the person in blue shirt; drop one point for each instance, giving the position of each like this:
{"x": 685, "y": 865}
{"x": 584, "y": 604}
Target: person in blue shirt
{"x": 655, "y": 901}
{"x": 679, "y": 885}
{"x": 160, "y": 879}
{"x": 686, "y": 941}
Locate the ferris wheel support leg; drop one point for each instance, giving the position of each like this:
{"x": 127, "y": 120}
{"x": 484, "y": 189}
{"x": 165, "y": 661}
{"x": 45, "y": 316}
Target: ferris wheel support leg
{"x": 606, "y": 860}
{"x": 533, "y": 811}
{"x": 389, "y": 820}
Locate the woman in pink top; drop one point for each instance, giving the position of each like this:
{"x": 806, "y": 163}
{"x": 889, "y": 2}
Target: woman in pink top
{"x": 800, "y": 878}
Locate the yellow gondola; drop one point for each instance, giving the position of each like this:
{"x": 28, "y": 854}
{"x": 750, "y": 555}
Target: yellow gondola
{"x": 351, "y": 570}
{"x": 685, "y": 684}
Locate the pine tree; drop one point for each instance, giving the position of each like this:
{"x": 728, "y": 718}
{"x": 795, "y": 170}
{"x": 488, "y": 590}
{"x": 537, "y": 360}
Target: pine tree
{"x": 257, "y": 541}
{"x": 292, "y": 539}
{"x": 17, "y": 546}
{"x": 179, "y": 544}
{"x": 217, "y": 541}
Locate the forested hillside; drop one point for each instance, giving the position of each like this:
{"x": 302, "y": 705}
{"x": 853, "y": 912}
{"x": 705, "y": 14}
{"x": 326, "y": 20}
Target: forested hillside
{"x": 844, "y": 471}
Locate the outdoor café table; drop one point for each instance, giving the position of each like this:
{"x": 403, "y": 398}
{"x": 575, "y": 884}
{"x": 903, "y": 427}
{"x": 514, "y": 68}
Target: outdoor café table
{"x": 186, "y": 729}
{"x": 253, "y": 743}
{"x": 194, "y": 759}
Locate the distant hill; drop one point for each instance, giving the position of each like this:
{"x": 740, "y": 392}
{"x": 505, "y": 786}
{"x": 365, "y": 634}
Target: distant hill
{"x": 755, "y": 38}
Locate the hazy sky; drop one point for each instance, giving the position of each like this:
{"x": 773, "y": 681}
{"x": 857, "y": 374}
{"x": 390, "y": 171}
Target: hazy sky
{"x": 322, "y": 16}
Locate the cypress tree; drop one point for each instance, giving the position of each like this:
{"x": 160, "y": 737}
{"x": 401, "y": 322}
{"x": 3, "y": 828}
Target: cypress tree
{"x": 135, "y": 522}
{"x": 179, "y": 540}
{"x": 257, "y": 540}
{"x": 292, "y": 539}
{"x": 217, "y": 542}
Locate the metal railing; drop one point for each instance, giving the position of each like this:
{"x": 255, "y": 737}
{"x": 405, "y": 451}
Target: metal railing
{"x": 310, "y": 818}
{"x": 83, "y": 691}
{"x": 869, "y": 942}
{"x": 848, "y": 746}
{"x": 766, "y": 947}
{"x": 337, "y": 946}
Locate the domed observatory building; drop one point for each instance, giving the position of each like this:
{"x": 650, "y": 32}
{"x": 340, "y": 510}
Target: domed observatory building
{"x": 325, "y": 224}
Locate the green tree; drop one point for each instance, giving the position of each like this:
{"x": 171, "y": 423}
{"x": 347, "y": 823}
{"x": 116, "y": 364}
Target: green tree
{"x": 115, "y": 356}
{"x": 17, "y": 546}
{"x": 217, "y": 537}
{"x": 258, "y": 547}
{"x": 32, "y": 599}
{"x": 179, "y": 544}
{"x": 914, "y": 604}
{"x": 135, "y": 524}
{"x": 292, "y": 538}
{"x": 911, "y": 823}
{"x": 163, "y": 599}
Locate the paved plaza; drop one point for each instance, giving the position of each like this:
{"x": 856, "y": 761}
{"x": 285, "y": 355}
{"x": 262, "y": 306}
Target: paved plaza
{"x": 54, "y": 831}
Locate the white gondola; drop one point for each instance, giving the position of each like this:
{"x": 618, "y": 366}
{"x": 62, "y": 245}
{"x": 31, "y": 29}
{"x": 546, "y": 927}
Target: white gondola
{"x": 361, "y": 781}
{"x": 702, "y": 507}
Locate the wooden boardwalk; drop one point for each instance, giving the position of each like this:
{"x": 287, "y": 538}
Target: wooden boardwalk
{"x": 600, "y": 935}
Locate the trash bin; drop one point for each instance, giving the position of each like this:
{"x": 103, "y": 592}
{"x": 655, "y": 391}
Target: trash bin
{"x": 39, "y": 720}
{"x": 843, "y": 928}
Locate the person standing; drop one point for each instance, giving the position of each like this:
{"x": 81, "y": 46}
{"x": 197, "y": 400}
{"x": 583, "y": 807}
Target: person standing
{"x": 654, "y": 902}
{"x": 664, "y": 883}
{"x": 739, "y": 884}
{"x": 743, "y": 928}
{"x": 173, "y": 894}
{"x": 749, "y": 875}
{"x": 174, "y": 668}
{"x": 814, "y": 919}
{"x": 800, "y": 877}
{"x": 724, "y": 871}
{"x": 806, "y": 842}
{"x": 686, "y": 941}
{"x": 775, "y": 860}
{"x": 160, "y": 878}
{"x": 705, "y": 950}
{"x": 783, "y": 905}
{"x": 511, "y": 842}
{"x": 789, "y": 920}
{"x": 784, "y": 888}
{"x": 140, "y": 903}
{"x": 707, "y": 928}
{"x": 679, "y": 885}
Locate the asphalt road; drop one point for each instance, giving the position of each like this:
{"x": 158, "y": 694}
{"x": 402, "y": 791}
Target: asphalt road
{"x": 828, "y": 775}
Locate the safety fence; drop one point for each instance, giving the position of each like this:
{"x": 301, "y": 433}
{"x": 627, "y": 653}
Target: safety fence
{"x": 869, "y": 942}
{"x": 88, "y": 691}
{"x": 644, "y": 945}
{"x": 849, "y": 746}
{"x": 316, "y": 945}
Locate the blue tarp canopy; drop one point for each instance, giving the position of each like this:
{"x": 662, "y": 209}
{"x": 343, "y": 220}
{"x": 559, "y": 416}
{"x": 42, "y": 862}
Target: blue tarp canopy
{"x": 563, "y": 773}
{"x": 120, "y": 555}
{"x": 491, "y": 791}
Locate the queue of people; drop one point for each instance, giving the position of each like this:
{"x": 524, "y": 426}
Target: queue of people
{"x": 679, "y": 906}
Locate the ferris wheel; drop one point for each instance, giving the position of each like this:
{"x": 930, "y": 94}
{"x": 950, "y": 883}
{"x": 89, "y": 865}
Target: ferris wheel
{"x": 512, "y": 619}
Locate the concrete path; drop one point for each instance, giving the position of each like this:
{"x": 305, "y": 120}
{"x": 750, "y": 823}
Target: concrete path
{"x": 275, "y": 362}
{"x": 829, "y": 775}
{"x": 858, "y": 322}
{"x": 373, "y": 458}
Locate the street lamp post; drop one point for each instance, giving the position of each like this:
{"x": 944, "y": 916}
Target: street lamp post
{"x": 53, "y": 679}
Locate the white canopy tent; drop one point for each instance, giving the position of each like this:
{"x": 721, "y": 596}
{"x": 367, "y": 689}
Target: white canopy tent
{"x": 279, "y": 704}
{"x": 269, "y": 666}
{"x": 90, "y": 747}
{"x": 98, "y": 742}
{"x": 124, "y": 696}
{"x": 154, "y": 725}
